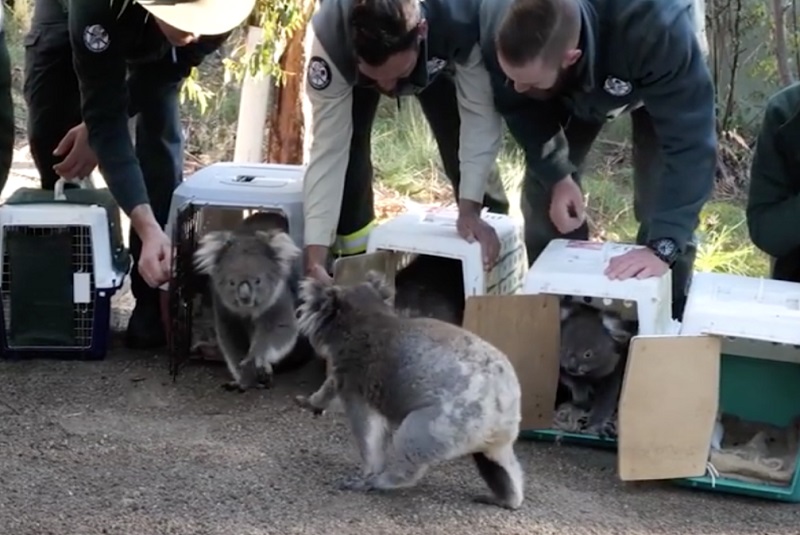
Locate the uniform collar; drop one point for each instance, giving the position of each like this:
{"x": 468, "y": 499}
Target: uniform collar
{"x": 584, "y": 69}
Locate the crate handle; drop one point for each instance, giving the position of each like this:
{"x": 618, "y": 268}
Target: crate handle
{"x": 82, "y": 182}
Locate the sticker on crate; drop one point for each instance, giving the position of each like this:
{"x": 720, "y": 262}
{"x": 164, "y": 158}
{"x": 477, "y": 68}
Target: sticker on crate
{"x": 436, "y": 269}
{"x": 716, "y": 407}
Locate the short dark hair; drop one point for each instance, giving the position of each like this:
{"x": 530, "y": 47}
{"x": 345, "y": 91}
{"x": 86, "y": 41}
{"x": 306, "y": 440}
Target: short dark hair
{"x": 533, "y": 29}
{"x": 382, "y": 28}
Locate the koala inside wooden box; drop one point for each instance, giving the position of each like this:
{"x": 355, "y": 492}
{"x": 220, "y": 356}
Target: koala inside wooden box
{"x": 219, "y": 197}
{"x": 735, "y": 355}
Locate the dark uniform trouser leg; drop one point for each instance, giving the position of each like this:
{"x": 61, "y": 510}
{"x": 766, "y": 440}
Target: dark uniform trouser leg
{"x": 535, "y": 198}
{"x": 439, "y": 104}
{"x": 358, "y": 202}
{"x": 159, "y": 148}
{"x": 647, "y": 171}
{"x": 7, "y": 128}
{"x": 50, "y": 88}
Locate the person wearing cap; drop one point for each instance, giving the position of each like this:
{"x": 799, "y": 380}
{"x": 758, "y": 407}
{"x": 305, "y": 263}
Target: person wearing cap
{"x": 358, "y": 50}
{"x": 90, "y": 65}
{"x": 773, "y": 197}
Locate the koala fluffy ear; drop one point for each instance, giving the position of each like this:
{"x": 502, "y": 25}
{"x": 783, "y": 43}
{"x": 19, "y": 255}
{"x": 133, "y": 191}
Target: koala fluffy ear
{"x": 620, "y": 330}
{"x": 378, "y": 281}
{"x": 318, "y": 300}
{"x": 209, "y": 249}
{"x": 283, "y": 245}
{"x": 567, "y": 309}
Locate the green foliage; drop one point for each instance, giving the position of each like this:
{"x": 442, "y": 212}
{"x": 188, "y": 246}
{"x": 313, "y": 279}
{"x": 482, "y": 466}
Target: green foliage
{"x": 277, "y": 20}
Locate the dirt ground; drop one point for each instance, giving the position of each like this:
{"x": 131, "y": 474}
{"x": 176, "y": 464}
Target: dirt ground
{"x": 117, "y": 448}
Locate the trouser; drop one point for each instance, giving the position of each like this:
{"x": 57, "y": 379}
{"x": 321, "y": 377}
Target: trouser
{"x": 52, "y": 95}
{"x": 647, "y": 171}
{"x": 440, "y": 107}
{"x": 7, "y": 126}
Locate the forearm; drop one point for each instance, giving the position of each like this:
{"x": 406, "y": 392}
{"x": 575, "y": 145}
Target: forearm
{"x": 481, "y": 129}
{"x": 536, "y": 128}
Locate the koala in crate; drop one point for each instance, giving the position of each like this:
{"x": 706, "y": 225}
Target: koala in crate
{"x": 416, "y": 391}
{"x": 594, "y": 351}
{"x": 252, "y": 275}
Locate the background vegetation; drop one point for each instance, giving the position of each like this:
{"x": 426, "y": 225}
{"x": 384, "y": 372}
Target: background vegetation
{"x": 755, "y": 50}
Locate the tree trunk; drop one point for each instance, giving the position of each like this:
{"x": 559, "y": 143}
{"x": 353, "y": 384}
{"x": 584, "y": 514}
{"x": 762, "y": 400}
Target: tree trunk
{"x": 781, "y": 51}
{"x": 285, "y": 140}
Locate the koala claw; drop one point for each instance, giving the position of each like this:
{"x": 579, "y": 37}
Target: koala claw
{"x": 305, "y": 403}
{"x": 265, "y": 378}
{"x": 233, "y": 386}
{"x": 485, "y": 499}
{"x": 605, "y": 429}
{"x": 354, "y": 482}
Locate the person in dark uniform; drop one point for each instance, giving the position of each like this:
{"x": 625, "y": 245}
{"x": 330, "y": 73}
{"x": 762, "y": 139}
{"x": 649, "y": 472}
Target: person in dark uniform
{"x": 773, "y": 198}
{"x": 360, "y": 49}
{"x": 7, "y": 126}
{"x": 90, "y": 65}
{"x": 561, "y": 69}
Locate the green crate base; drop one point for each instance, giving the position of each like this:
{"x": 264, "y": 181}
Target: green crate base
{"x": 759, "y": 390}
{"x": 577, "y": 439}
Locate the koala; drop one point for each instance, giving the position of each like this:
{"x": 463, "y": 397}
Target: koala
{"x": 594, "y": 351}
{"x": 431, "y": 286}
{"x": 423, "y": 389}
{"x": 250, "y": 271}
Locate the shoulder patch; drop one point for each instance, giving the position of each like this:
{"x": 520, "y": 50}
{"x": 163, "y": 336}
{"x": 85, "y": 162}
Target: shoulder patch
{"x": 319, "y": 73}
{"x": 616, "y": 87}
{"x": 96, "y": 38}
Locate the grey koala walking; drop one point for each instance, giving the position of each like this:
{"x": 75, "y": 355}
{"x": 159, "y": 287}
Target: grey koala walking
{"x": 444, "y": 391}
{"x": 250, "y": 272}
{"x": 594, "y": 352}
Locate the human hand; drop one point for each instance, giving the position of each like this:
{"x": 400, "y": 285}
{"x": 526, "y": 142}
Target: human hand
{"x": 471, "y": 227}
{"x": 155, "y": 260}
{"x": 80, "y": 159}
{"x": 641, "y": 263}
{"x": 315, "y": 256}
{"x": 566, "y": 206}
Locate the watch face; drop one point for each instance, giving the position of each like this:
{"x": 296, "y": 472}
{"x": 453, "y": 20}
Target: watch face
{"x": 666, "y": 247}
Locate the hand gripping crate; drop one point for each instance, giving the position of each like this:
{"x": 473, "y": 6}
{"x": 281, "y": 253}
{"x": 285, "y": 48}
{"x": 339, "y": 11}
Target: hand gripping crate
{"x": 214, "y": 198}
{"x": 433, "y": 234}
{"x": 717, "y": 407}
{"x": 527, "y": 326}
{"x": 63, "y": 260}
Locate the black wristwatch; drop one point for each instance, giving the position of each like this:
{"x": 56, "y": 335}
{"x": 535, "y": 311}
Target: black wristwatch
{"x": 665, "y": 249}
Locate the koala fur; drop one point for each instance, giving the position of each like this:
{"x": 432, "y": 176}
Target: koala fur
{"x": 425, "y": 390}
{"x": 250, "y": 271}
{"x": 594, "y": 352}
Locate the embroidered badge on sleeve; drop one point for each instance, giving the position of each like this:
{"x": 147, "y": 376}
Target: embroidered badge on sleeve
{"x": 96, "y": 38}
{"x": 319, "y": 73}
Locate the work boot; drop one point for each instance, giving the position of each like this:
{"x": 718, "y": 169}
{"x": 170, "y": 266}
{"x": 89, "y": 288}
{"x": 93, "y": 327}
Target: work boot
{"x": 145, "y": 329}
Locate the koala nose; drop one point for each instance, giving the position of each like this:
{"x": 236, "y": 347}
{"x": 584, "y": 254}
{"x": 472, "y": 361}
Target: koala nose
{"x": 245, "y": 293}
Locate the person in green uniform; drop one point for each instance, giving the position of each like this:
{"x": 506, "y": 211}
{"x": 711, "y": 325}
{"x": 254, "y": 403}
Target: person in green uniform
{"x": 90, "y": 65}
{"x": 773, "y": 198}
{"x": 562, "y": 69}
{"x": 7, "y": 127}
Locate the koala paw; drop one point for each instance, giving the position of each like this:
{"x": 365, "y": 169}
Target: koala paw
{"x": 305, "y": 403}
{"x": 265, "y": 378}
{"x": 605, "y": 429}
{"x": 354, "y": 483}
{"x": 233, "y": 386}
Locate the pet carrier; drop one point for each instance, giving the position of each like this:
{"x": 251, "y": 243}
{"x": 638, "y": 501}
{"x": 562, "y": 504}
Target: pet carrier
{"x": 63, "y": 259}
{"x": 214, "y": 198}
{"x": 573, "y": 270}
